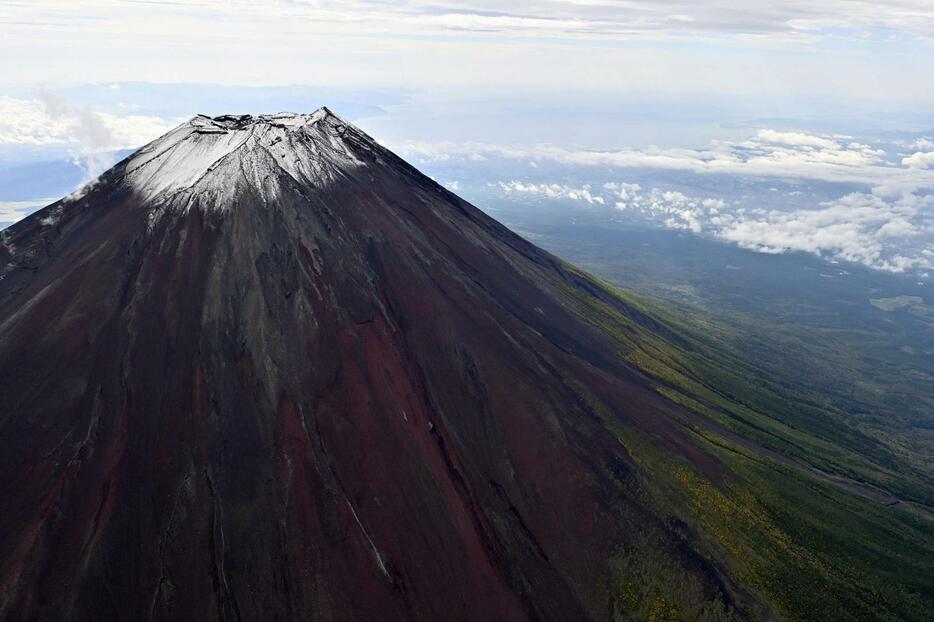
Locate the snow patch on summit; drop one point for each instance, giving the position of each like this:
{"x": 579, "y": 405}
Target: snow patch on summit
{"x": 216, "y": 155}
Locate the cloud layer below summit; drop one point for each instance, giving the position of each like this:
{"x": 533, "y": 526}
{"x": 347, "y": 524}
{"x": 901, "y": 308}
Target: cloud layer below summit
{"x": 774, "y": 192}
{"x": 767, "y": 153}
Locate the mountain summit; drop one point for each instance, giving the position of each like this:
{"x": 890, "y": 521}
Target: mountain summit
{"x": 264, "y": 369}
{"x": 216, "y": 155}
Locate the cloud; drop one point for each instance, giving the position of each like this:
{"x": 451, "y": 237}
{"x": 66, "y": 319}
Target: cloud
{"x": 889, "y": 225}
{"x": 512, "y": 23}
{"x": 667, "y": 46}
{"x": 49, "y": 120}
{"x": 892, "y": 233}
{"x": 11, "y": 211}
{"x": 921, "y": 159}
{"x": 860, "y": 228}
{"x": 553, "y": 191}
{"x": 84, "y": 128}
{"x": 671, "y": 208}
{"x": 768, "y": 153}
{"x": 91, "y": 137}
{"x": 447, "y": 150}
{"x": 593, "y": 17}
{"x": 624, "y": 192}
{"x": 796, "y": 139}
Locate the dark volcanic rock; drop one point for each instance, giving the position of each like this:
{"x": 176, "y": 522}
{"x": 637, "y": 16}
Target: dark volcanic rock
{"x": 265, "y": 370}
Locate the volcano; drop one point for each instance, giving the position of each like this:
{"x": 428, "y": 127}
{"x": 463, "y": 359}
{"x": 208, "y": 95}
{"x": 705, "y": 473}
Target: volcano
{"x": 264, "y": 369}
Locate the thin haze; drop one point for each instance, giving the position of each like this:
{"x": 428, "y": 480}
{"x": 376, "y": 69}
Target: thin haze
{"x": 873, "y": 51}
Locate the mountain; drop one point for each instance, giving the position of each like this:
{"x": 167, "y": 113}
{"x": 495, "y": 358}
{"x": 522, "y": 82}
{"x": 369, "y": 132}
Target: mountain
{"x": 265, "y": 369}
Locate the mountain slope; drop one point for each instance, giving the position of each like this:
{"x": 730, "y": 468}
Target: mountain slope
{"x": 264, "y": 369}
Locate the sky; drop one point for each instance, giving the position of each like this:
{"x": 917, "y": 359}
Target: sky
{"x": 833, "y": 48}
{"x": 776, "y": 126}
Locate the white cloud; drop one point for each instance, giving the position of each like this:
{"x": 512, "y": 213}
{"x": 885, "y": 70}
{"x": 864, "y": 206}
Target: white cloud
{"x": 447, "y": 150}
{"x": 673, "y": 209}
{"x": 778, "y": 154}
{"x": 594, "y": 17}
{"x": 91, "y": 137}
{"x": 47, "y": 120}
{"x": 889, "y": 227}
{"x": 892, "y": 233}
{"x": 665, "y": 45}
{"x": 509, "y": 23}
{"x": 921, "y": 159}
{"x": 625, "y": 193}
{"x": 11, "y": 211}
{"x": 898, "y": 228}
{"x": 552, "y": 191}
{"x": 860, "y": 228}
{"x": 796, "y": 139}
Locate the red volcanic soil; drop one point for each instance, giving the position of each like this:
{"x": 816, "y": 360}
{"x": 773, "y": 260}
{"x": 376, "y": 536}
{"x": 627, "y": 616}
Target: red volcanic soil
{"x": 266, "y": 395}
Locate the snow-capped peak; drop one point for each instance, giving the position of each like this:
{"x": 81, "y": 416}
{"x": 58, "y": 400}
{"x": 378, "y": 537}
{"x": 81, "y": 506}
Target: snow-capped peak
{"x": 281, "y": 119}
{"x": 216, "y": 154}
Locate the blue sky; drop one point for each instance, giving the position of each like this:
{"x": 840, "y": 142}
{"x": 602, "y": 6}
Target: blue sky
{"x": 827, "y": 104}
